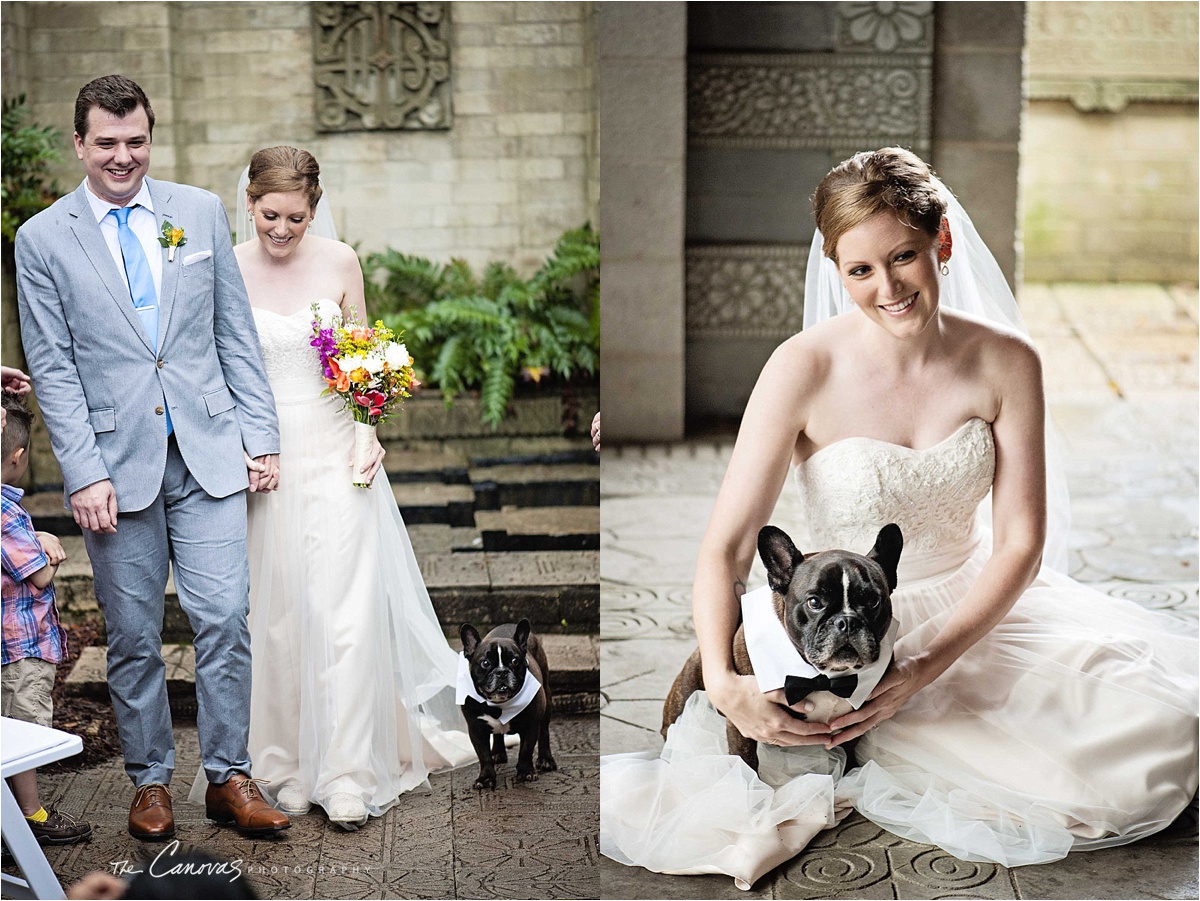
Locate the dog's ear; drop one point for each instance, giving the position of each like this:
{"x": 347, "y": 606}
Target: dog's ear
{"x": 470, "y": 638}
{"x": 780, "y": 557}
{"x": 888, "y": 545}
{"x": 521, "y": 636}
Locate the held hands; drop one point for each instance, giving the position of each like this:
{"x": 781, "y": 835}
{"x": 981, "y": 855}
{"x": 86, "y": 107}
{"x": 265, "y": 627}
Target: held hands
{"x": 95, "y": 507}
{"x": 764, "y": 717}
{"x": 263, "y": 472}
{"x": 374, "y": 460}
{"x": 905, "y": 677}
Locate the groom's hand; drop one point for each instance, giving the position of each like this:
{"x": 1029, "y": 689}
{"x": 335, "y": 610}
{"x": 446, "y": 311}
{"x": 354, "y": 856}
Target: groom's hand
{"x": 263, "y": 472}
{"x": 95, "y": 507}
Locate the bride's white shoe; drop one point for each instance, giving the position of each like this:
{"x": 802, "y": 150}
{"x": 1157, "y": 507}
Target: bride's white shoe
{"x": 347, "y": 810}
{"x": 292, "y": 800}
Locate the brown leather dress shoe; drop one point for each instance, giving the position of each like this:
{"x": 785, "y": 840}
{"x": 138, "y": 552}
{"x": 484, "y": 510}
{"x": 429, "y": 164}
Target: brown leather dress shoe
{"x": 150, "y": 816}
{"x": 239, "y": 801}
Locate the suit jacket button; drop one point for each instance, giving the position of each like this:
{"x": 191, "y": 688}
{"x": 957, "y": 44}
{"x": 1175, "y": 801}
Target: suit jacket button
{"x": 159, "y": 410}
{"x": 161, "y": 363}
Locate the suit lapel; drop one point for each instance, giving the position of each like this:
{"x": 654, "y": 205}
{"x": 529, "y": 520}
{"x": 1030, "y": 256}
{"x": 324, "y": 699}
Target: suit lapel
{"x": 87, "y": 232}
{"x": 163, "y": 212}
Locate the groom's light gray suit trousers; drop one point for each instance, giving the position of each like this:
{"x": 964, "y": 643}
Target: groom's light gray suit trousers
{"x": 205, "y": 537}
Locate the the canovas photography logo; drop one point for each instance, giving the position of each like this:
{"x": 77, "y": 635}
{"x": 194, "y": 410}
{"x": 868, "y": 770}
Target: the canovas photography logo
{"x": 163, "y": 864}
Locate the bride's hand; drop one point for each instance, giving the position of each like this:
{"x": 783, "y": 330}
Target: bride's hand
{"x": 374, "y": 461}
{"x": 263, "y": 472}
{"x": 904, "y": 678}
{"x": 763, "y": 716}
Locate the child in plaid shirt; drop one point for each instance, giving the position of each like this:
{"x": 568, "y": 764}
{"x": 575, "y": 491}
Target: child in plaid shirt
{"x": 34, "y": 641}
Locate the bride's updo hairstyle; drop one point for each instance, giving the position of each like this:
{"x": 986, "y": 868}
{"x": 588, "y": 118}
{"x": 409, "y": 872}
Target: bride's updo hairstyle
{"x": 283, "y": 170}
{"x": 891, "y": 180}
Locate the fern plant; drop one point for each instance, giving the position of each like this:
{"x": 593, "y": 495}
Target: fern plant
{"x": 485, "y": 331}
{"x": 26, "y": 152}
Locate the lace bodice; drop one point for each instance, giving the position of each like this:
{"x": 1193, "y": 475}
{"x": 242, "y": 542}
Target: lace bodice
{"x": 293, "y": 367}
{"x": 852, "y": 488}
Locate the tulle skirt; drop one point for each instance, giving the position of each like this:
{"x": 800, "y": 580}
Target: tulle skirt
{"x": 353, "y": 680}
{"x": 1071, "y": 725}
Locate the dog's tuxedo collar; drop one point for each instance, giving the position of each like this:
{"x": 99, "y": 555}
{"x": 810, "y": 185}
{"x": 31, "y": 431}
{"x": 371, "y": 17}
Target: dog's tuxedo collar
{"x": 464, "y": 687}
{"x": 774, "y": 657}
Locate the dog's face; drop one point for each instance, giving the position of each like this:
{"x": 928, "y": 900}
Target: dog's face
{"x": 835, "y": 605}
{"x": 497, "y": 662}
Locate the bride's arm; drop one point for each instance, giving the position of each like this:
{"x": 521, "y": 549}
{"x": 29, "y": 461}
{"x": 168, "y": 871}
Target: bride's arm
{"x": 757, "y": 470}
{"x": 1019, "y": 533}
{"x": 353, "y": 300}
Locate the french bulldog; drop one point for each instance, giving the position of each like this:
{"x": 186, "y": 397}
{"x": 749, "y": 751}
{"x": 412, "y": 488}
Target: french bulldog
{"x": 836, "y": 610}
{"x": 511, "y": 682}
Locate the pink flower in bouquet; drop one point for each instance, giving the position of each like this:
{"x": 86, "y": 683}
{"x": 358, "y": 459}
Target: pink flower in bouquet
{"x": 372, "y": 401}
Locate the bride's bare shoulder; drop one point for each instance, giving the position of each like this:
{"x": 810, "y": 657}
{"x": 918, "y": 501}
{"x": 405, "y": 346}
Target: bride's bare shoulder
{"x": 800, "y": 364}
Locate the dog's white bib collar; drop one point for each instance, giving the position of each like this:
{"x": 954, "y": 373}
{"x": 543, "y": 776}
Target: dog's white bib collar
{"x": 774, "y": 657}
{"x": 464, "y": 687}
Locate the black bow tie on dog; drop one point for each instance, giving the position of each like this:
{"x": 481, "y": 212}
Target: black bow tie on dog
{"x": 796, "y": 688}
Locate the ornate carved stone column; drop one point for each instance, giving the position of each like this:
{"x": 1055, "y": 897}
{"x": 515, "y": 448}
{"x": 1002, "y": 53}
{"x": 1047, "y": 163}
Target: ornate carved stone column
{"x": 763, "y": 128}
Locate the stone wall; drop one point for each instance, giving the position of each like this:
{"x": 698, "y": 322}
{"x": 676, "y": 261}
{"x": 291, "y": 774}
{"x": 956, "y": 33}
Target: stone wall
{"x": 1109, "y": 152}
{"x": 517, "y": 168}
{"x": 643, "y": 57}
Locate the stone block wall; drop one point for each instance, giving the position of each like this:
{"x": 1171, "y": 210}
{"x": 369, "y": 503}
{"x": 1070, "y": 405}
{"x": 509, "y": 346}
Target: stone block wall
{"x": 643, "y": 55}
{"x": 1109, "y": 152}
{"x": 977, "y": 116}
{"x": 518, "y": 167}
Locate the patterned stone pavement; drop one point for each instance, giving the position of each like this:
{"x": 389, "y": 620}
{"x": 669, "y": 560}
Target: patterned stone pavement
{"x": 1121, "y": 378}
{"x": 530, "y": 840}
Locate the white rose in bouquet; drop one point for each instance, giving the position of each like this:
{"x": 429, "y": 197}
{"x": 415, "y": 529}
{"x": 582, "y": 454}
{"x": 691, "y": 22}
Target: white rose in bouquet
{"x": 397, "y": 356}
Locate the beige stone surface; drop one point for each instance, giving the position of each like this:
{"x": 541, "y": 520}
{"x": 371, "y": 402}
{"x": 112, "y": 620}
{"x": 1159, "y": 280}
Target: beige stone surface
{"x": 1110, "y": 194}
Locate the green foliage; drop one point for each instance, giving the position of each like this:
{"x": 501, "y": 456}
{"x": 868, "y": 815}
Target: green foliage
{"x": 25, "y": 153}
{"x": 467, "y": 331}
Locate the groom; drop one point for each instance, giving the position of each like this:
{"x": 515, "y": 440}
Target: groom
{"x": 149, "y": 376}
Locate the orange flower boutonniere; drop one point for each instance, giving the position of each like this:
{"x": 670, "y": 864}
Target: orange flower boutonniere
{"x": 172, "y": 237}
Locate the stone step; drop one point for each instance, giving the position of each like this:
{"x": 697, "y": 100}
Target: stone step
{"x": 405, "y": 464}
{"x": 434, "y": 502}
{"x": 574, "y": 669}
{"x": 536, "y": 485}
{"x": 558, "y": 591}
{"x": 437, "y": 486}
{"x": 539, "y": 528}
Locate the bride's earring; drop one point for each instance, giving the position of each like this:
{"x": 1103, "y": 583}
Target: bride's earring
{"x": 945, "y": 246}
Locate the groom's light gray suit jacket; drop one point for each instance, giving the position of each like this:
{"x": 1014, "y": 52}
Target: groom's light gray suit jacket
{"x": 99, "y": 381}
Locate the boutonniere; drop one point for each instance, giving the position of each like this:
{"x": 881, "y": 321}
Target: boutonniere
{"x": 172, "y": 237}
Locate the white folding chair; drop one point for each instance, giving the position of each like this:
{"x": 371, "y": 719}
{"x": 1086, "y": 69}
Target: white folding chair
{"x": 26, "y": 746}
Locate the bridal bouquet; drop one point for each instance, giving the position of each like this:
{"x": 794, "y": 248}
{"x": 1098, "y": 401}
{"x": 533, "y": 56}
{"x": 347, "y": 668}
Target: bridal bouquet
{"x": 366, "y": 367}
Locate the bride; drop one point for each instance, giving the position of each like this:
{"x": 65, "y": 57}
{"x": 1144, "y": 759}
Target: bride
{"x": 1024, "y": 715}
{"x": 353, "y": 681}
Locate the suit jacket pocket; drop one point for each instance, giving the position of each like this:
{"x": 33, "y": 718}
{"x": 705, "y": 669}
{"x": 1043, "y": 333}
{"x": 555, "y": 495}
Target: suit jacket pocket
{"x": 219, "y": 401}
{"x": 103, "y": 419}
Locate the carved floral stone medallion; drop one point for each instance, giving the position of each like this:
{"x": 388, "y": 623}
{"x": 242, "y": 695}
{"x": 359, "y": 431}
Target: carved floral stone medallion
{"x": 381, "y": 66}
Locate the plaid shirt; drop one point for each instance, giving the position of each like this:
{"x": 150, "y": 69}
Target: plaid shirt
{"x": 30, "y": 620}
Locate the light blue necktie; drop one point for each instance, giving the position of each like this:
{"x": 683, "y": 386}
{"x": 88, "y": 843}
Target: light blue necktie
{"x": 141, "y": 282}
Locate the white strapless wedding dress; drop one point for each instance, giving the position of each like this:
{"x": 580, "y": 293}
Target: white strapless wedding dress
{"x": 353, "y": 678}
{"x": 1071, "y": 725}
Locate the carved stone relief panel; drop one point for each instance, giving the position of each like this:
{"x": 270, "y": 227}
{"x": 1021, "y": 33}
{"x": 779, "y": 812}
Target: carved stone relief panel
{"x": 746, "y": 291}
{"x": 381, "y": 66}
{"x": 766, "y": 120}
{"x": 809, "y": 100}
{"x": 885, "y": 27}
